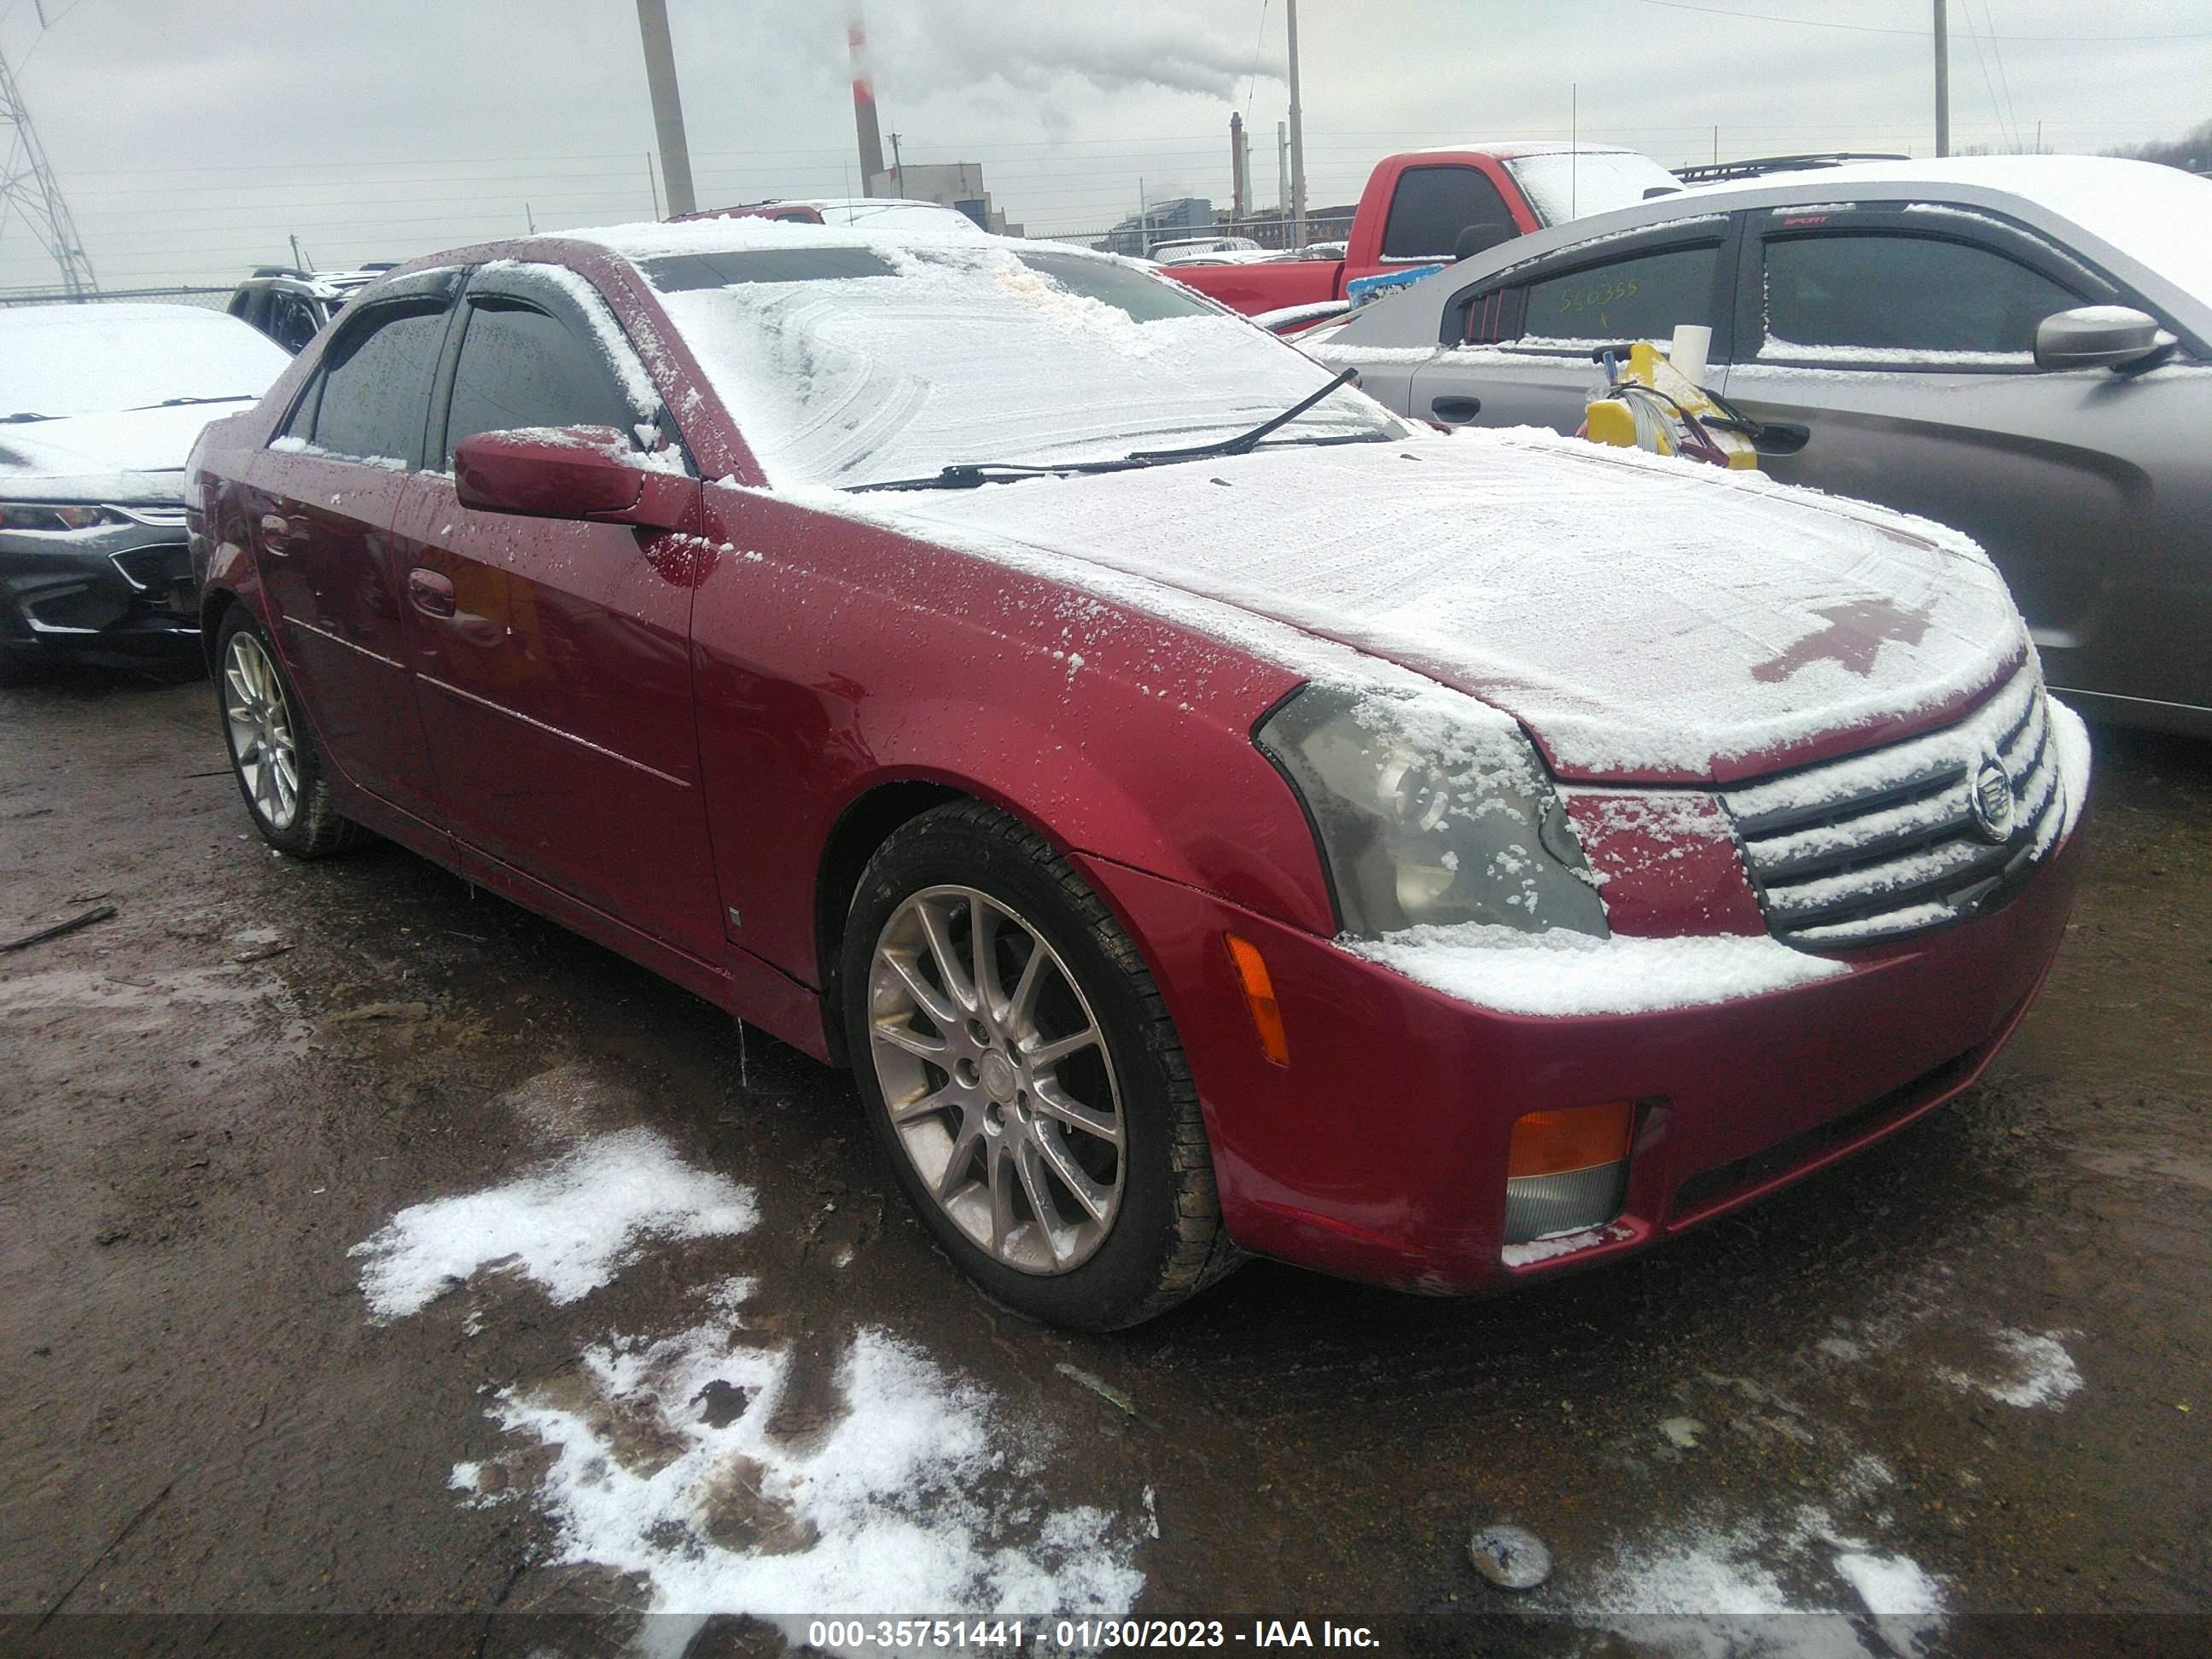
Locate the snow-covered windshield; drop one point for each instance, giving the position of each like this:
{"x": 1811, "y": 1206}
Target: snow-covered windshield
{"x": 847, "y": 362}
{"x": 63, "y": 360}
{"x": 1563, "y": 185}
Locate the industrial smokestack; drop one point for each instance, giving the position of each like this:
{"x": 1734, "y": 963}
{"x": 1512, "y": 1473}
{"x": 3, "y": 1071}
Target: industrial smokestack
{"x": 864, "y": 109}
{"x": 1236, "y": 168}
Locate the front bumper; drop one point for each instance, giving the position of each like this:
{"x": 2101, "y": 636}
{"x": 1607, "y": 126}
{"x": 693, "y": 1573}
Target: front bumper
{"x": 1380, "y": 1152}
{"x": 113, "y": 590}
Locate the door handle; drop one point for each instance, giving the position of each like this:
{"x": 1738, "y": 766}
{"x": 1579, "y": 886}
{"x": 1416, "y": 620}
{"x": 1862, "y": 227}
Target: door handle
{"x": 1456, "y": 410}
{"x": 431, "y": 594}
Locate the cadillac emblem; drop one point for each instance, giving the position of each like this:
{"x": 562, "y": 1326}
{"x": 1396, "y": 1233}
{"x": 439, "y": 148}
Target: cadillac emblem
{"x": 1991, "y": 802}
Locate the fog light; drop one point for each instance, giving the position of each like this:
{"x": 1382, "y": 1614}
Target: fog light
{"x": 1567, "y": 1171}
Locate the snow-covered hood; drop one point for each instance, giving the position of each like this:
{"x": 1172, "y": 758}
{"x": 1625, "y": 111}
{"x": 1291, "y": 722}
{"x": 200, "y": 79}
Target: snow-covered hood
{"x": 126, "y": 455}
{"x": 1644, "y": 618}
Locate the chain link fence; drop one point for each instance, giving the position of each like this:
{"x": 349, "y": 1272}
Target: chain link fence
{"x": 214, "y": 298}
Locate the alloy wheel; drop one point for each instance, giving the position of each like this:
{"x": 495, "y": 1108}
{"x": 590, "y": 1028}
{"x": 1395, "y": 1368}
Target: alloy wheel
{"x": 997, "y": 1078}
{"x": 258, "y": 717}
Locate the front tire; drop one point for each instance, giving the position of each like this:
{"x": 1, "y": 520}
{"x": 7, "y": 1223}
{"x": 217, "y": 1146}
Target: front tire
{"x": 273, "y": 753}
{"x": 1020, "y": 1070}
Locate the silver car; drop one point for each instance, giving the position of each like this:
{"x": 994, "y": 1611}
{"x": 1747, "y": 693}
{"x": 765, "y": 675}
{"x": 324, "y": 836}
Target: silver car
{"x": 99, "y": 405}
{"x": 2018, "y": 346}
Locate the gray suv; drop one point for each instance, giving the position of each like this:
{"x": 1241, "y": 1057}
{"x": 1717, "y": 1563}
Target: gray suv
{"x": 2020, "y": 346}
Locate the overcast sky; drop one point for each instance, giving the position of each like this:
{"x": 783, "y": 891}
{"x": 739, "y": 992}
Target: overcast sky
{"x": 190, "y": 138}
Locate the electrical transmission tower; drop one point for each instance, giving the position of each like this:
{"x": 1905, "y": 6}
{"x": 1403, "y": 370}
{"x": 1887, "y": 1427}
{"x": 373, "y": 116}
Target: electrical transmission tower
{"x": 27, "y": 190}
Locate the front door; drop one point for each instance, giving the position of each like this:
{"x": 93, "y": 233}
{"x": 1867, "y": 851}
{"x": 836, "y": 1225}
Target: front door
{"x": 552, "y": 656}
{"x": 1904, "y": 339}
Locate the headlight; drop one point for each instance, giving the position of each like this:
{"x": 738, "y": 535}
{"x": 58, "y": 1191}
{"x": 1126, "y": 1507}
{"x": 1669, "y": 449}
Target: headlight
{"x": 1429, "y": 817}
{"x": 32, "y": 515}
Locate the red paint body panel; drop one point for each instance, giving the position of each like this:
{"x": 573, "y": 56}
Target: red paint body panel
{"x": 1253, "y": 289}
{"x": 653, "y": 737}
{"x": 951, "y": 670}
{"x": 1380, "y": 1153}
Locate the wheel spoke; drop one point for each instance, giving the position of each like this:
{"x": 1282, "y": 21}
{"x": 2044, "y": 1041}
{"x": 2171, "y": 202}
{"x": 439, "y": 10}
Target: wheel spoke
{"x": 927, "y": 996}
{"x": 926, "y": 1104}
{"x": 1047, "y": 1054}
{"x": 1048, "y": 1146}
{"x": 900, "y": 1035}
{"x": 1031, "y": 1168}
{"x": 1055, "y": 1102}
{"x": 954, "y": 1175}
{"x": 957, "y": 982}
{"x": 984, "y": 920}
{"x": 1000, "y": 1167}
{"x": 1019, "y": 1014}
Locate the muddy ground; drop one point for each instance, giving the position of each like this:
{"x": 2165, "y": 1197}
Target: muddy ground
{"x": 1980, "y": 1352}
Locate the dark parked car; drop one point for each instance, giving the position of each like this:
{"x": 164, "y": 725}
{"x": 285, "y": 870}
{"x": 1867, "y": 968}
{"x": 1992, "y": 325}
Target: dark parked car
{"x": 98, "y": 406}
{"x": 2020, "y": 346}
{"x": 1209, "y": 815}
{"x": 292, "y": 307}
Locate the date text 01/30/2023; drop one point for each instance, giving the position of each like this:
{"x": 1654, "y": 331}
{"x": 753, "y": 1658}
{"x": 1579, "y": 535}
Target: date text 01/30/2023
{"x": 1079, "y": 1635}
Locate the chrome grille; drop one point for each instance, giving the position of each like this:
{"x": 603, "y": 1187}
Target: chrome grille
{"x": 1895, "y": 841}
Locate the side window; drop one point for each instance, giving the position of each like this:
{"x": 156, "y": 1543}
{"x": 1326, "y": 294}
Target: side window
{"x": 1639, "y": 298}
{"x": 301, "y": 424}
{"x": 376, "y": 384}
{"x": 520, "y": 367}
{"x": 1883, "y": 295}
{"x": 1432, "y": 205}
{"x": 291, "y": 322}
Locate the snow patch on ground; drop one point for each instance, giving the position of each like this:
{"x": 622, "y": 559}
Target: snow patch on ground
{"x": 1565, "y": 974}
{"x": 2041, "y": 1373}
{"x": 569, "y": 1225}
{"x": 665, "y": 1466}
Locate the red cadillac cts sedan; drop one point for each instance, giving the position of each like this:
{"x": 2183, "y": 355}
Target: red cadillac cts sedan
{"x": 1208, "y": 816}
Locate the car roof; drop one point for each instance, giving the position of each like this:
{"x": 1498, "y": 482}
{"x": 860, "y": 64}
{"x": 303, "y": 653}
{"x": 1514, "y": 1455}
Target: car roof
{"x": 2050, "y": 193}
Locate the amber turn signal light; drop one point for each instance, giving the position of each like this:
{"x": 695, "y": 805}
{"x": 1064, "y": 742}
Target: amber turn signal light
{"x": 1580, "y": 1137}
{"x": 1259, "y": 997}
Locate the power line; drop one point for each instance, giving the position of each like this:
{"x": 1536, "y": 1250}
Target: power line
{"x": 1876, "y": 29}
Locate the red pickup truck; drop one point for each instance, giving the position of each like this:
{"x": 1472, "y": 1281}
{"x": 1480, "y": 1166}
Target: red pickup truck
{"x": 1430, "y": 207}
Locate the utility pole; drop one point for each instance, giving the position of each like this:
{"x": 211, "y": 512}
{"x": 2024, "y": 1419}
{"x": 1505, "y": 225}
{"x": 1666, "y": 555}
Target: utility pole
{"x": 1282, "y": 170}
{"x": 667, "y": 105}
{"x": 898, "y": 168}
{"x": 1943, "y": 81}
{"x": 1297, "y": 133}
{"x": 27, "y": 187}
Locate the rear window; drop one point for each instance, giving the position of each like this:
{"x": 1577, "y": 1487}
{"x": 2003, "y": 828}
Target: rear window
{"x": 1640, "y": 298}
{"x": 1432, "y": 205}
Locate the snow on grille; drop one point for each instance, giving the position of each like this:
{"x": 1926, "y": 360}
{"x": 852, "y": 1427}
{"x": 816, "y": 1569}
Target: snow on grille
{"x": 1889, "y": 843}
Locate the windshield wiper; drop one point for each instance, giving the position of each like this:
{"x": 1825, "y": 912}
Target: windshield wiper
{"x": 179, "y": 403}
{"x": 969, "y": 475}
{"x": 25, "y": 415}
{"x": 1244, "y": 441}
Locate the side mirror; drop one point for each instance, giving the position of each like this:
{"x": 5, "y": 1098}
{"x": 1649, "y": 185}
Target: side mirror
{"x": 568, "y": 472}
{"x": 1480, "y": 239}
{"x": 2099, "y": 337}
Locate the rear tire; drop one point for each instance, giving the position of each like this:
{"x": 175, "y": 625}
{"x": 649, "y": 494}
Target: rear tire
{"x": 273, "y": 752}
{"x": 1036, "y": 1106}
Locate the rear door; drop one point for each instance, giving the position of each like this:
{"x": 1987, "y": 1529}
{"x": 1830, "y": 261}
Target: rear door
{"x": 1523, "y": 339}
{"x": 1903, "y": 335}
{"x": 320, "y": 503}
{"x": 553, "y": 655}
